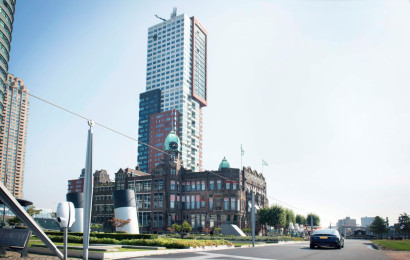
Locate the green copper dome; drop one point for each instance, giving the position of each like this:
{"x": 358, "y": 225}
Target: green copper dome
{"x": 224, "y": 164}
{"x": 172, "y": 142}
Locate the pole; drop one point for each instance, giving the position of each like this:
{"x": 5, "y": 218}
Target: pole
{"x": 88, "y": 191}
{"x": 311, "y": 225}
{"x": 3, "y": 224}
{"x": 241, "y": 157}
{"x": 65, "y": 243}
{"x": 253, "y": 218}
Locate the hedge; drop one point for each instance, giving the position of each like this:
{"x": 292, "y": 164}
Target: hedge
{"x": 118, "y": 236}
{"x": 163, "y": 242}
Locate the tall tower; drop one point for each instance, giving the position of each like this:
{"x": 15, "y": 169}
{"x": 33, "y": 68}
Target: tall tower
{"x": 177, "y": 66}
{"x": 6, "y": 27}
{"x": 13, "y": 135}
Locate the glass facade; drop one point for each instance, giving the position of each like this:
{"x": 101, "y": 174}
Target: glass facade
{"x": 150, "y": 103}
{"x": 6, "y": 27}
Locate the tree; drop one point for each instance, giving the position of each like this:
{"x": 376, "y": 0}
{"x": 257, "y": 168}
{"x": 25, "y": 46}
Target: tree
{"x": 176, "y": 228}
{"x": 378, "y": 226}
{"x": 247, "y": 230}
{"x": 290, "y": 217}
{"x": 119, "y": 223}
{"x": 404, "y": 223}
{"x": 96, "y": 227}
{"x": 274, "y": 216}
{"x": 185, "y": 227}
{"x": 316, "y": 219}
{"x": 300, "y": 219}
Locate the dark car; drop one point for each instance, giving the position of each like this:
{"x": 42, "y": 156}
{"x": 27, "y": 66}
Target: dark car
{"x": 327, "y": 238}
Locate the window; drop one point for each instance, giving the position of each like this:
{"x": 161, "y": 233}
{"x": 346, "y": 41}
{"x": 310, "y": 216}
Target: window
{"x": 226, "y": 203}
{"x": 158, "y": 200}
{"x": 172, "y": 185}
{"x": 234, "y": 185}
{"x": 147, "y": 201}
{"x": 198, "y": 201}
{"x": 139, "y": 200}
{"x": 211, "y": 185}
{"x": 228, "y": 185}
{"x": 183, "y": 186}
{"x": 147, "y": 185}
{"x": 202, "y": 203}
{"x": 198, "y": 185}
{"x": 219, "y": 184}
{"x": 192, "y": 202}
{"x": 188, "y": 186}
{"x": 172, "y": 201}
{"x": 188, "y": 204}
{"x": 203, "y": 185}
{"x": 131, "y": 185}
{"x": 159, "y": 185}
{"x": 211, "y": 203}
{"x": 233, "y": 203}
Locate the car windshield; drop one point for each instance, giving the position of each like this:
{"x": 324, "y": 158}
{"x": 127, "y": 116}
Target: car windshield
{"x": 328, "y": 232}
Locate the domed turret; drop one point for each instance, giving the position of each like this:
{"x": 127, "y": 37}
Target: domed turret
{"x": 224, "y": 164}
{"x": 172, "y": 142}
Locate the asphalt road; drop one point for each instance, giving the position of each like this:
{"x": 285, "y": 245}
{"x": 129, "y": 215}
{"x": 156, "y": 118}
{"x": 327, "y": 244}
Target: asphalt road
{"x": 354, "y": 249}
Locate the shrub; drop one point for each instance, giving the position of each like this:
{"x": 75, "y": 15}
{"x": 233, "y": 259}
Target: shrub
{"x": 117, "y": 236}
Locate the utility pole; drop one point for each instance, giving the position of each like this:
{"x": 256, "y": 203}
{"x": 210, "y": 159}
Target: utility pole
{"x": 253, "y": 218}
{"x": 88, "y": 191}
{"x": 311, "y": 225}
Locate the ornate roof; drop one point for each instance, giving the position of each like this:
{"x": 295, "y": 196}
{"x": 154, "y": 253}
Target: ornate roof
{"x": 224, "y": 164}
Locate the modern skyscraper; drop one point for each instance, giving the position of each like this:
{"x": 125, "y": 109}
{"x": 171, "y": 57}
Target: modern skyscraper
{"x": 177, "y": 65}
{"x": 6, "y": 27}
{"x": 13, "y": 135}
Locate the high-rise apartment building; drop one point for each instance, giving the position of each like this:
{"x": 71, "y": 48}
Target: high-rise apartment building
{"x": 177, "y": 66}
{"x": 161, "y": 124}
{"x": 6, "y": 27}
{"x": 13, "y": 135}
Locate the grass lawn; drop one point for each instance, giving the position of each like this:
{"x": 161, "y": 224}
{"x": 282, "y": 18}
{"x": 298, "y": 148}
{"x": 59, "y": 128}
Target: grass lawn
{"x": 398, "y": 245}
{"x": 39, "y": 242}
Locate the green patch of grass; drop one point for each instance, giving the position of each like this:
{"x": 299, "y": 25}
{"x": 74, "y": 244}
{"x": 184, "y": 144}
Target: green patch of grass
{"x": 397, "y": 245}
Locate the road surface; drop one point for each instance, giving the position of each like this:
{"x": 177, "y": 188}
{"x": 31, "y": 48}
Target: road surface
{"x": 354, "y": 249}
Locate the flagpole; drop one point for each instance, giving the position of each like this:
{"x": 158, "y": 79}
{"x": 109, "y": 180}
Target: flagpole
{"x": 241, "y": 156}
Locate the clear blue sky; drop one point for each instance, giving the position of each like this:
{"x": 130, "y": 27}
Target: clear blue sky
{"x": 319, "y": 89}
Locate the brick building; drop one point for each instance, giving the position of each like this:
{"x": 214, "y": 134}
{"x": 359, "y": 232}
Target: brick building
{"x": 171, "y": 193}
{"x": 103, "y": 205}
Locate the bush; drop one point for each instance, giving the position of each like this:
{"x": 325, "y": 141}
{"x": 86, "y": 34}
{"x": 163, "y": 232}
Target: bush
{"x": 117, "y": 236}
{"x": 163, "y": 242}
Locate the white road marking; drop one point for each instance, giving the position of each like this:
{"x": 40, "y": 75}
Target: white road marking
{"x": 208, "y": 255}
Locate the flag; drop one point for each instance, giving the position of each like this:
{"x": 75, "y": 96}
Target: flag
{"x": 264, "y": 163}
{"x": 242, "y": 151}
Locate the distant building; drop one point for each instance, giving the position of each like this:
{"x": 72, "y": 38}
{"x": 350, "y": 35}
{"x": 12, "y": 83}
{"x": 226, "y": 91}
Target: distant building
{"x": 171, "y": 194}
{"x": 102, "y": 204}
{"x": 13, "y": 134}
{"x": 367, "y": 221}
{"x": 346, "y": 222}
{"x": 76, "y": 185}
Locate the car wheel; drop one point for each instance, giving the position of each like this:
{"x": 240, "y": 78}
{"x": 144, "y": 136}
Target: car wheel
{"x": 312, "y": 246}
{"x": 339, "y": 246}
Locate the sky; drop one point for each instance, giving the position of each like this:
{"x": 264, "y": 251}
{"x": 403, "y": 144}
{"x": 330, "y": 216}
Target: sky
{"x": 319, "y": 89}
